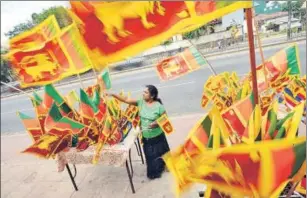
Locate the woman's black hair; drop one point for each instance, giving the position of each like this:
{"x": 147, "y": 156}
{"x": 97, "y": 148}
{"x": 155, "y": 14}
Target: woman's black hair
{"x": 153, "y": 91}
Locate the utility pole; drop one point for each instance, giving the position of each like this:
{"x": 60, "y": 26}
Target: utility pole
{"x": 289, "y": 19}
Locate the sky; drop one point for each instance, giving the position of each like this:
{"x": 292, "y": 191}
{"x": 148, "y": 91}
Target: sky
{"x": 15, "y": 12}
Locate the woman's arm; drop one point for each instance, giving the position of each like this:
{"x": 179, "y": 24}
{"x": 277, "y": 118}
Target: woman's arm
{"x": 124, "y": 99}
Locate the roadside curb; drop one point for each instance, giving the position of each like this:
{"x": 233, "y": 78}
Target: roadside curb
{"x": 215, "y": 54}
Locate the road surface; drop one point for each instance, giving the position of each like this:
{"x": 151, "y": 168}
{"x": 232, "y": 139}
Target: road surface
{"x": 180, "y": 97}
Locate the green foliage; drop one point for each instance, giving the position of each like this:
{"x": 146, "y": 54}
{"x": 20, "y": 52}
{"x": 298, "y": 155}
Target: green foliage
{"x": 60, "y": 13}
{"x": 296, "y": 5}
{"x": 6, "y": 71}
{"x": 168, "y": 42}
{"x": 195, "y": 34}
{"x": 17, "y": 29}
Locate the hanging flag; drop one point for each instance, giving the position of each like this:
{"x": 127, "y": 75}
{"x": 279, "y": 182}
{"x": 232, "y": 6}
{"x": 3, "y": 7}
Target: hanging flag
{"x": 74, "y": 47}
{"x": 104, "y": 80}
{"x": 165, "y": 124}
{"x": 32, "y": 126}
{"x": 137, "y": 26}
{"x": 37, "y": 36}
{"x": 58, "y": 58}
{"x": 180, "y": 64}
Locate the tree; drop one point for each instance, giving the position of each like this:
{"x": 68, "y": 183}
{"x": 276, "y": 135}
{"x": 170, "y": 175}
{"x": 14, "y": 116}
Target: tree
{"x": 295, "y": 5}
{"x": 6, "y": 71}
{"x": 60, "y": 13}
{"x": 17, "y": 29}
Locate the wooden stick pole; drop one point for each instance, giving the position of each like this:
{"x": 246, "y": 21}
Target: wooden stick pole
{"x": 252, "y": 52}
{"x": 82, "y": 86}
{"x": 260, "y": 50}
{"x": 210, "y": 66}
{"x": 8, "y": 85}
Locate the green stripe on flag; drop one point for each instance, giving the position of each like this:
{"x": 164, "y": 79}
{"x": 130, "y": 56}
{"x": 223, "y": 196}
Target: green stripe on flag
{"x": 53, "y": 93}
{"x": 55, "y": 113}
{"x": 105, "y": 78}
{"x": 23, "y": 116}
{"x": 206, "y": 125}
{"x": 37, "y": 99}
{"x": 73, "y": 124}
{"x": 84, "y": 98}
{"x": 300, "y": 156}
{"x": 292, "y": 60}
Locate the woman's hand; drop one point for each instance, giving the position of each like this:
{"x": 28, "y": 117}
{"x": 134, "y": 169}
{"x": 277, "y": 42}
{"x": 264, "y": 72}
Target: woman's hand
{"x": 153, "y": 125}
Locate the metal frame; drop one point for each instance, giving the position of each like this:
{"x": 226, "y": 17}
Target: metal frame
{"x": 129, "y": 169}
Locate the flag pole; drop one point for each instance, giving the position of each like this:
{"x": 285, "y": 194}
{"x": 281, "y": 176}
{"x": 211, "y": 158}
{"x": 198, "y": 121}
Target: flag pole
{"x": 79, "y": 77}
{"x": 27, "y": 94}
{"x": 210, "y": 66}
{"x": 260, "y": 49}
{"x": 252, "y": 57}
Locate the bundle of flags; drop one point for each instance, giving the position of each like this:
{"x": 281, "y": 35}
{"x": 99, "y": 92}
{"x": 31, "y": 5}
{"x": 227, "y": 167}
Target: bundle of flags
{"x": 59, "y": 125}
{"x": 282, "y": 80}
{"x": 244, "y": 149}
{"x": 241, "y": 153}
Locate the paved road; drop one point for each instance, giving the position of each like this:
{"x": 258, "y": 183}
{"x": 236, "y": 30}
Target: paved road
{"x": 180, "y": 96}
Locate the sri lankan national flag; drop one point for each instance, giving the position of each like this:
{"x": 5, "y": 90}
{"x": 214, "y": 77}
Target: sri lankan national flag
{"x": 165, "y": 124}
{"x": 32, "y": 126}
{"x": 136, "y": 26}
{"x": 238, "y": 114}
{"x": 53, "y": 117}
{"x": 101, "y": 106}
{"x": 131, "y": 112}
{"x": 228, "y": 170}
{"x": 104, "y": 80}
{"x": 64, "y": 107}
{"x": 75, "y": 49}
{"x": 200, "y": 137}
{"x": 65, "y": 124}
{"x": 50, "y": 144}
{"x": 38, "y": 105}
{"x": 301, "y": 188}
{"x": 90, "y": 110}
{"x": 57, "y": 58}
{"x": 37, "y": 36}
{"x": 180, "y": 64}
{"x": 269, "y": 124}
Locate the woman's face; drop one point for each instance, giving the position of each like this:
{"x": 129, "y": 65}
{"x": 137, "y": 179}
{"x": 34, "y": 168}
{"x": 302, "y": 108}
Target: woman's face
{"x": 146, "y": 95}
